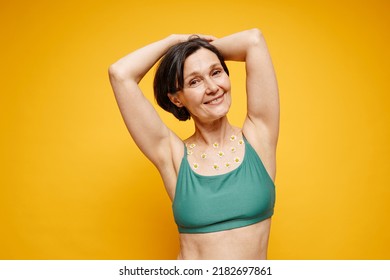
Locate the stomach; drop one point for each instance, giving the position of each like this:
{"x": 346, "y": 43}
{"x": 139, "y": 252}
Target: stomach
{"x": 245, "y": 243}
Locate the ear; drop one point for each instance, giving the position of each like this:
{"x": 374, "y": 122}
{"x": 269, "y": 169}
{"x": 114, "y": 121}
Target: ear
{"x": 175, "y": 99}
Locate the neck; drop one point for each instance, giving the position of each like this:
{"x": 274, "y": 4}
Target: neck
{"x": 213, "y": 132}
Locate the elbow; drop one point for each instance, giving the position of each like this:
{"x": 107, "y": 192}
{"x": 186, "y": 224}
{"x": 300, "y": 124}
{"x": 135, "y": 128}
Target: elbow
{"x": 117, "y": 73}
{"x": 256, "y": 36}
{"x": 114, "y": 72}
{"x": 120, "y": 73}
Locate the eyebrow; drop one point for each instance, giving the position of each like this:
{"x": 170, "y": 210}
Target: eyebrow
{"x": 196, "y": 73}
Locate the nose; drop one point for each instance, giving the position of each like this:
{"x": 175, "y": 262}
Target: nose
{"x": 211, "y": 86}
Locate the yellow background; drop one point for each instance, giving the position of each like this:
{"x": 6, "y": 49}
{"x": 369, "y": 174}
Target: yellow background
{"x": 74, "y": 185}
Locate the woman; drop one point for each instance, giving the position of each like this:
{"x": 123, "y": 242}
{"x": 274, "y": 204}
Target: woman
{"x": 222, "y": 192}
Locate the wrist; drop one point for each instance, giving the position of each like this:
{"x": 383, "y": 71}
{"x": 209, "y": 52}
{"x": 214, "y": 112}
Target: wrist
{"x": 177, "y": 38}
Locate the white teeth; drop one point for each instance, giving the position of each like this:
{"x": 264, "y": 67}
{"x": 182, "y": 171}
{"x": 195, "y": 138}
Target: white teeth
{"x": 214, "y": 101}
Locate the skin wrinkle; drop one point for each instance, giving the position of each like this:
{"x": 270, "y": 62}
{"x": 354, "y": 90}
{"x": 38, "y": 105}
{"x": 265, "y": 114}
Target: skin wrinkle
{"x": 205, "y": 81}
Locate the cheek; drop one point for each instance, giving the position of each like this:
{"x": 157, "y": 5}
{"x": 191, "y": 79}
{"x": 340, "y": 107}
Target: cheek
{"x": 192, "y": 96}
{"x": 225, "y": 81}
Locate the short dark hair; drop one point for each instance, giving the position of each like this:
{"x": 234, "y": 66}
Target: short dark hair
{"x": 169, "y": 75}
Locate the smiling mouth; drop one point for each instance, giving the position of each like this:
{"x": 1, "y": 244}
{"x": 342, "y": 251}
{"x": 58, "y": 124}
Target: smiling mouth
{"x": 215, "y": 100}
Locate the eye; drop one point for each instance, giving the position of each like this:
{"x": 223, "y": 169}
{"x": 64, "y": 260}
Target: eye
{"x": 216, "y": 72}
{"x": 194, "y": 82}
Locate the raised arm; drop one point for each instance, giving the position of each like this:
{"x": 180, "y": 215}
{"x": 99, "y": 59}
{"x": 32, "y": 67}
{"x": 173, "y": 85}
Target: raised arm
{"x": 145, "y": 126}
{"x": 261, "y": 84}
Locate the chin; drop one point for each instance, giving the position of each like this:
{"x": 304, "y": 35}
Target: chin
{"x": 221, "y": 114}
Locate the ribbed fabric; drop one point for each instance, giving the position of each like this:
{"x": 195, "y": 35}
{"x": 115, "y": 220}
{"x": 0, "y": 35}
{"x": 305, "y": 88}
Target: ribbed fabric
{"x": 241, "y": 197}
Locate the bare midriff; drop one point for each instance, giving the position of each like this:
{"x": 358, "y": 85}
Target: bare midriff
{"x": 245, "y": 243}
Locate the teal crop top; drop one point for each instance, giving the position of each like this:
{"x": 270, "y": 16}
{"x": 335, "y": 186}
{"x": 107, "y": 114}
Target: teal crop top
{"x": 241, "y": 197}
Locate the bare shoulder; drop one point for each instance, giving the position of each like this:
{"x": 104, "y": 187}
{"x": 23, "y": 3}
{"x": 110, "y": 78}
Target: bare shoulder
{"x": 260, "y": 139}
{"x": 169, "y": 165}
{"x": 178, "y": 148}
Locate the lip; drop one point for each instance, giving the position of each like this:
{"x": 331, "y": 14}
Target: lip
{"x": 220, "y": 96}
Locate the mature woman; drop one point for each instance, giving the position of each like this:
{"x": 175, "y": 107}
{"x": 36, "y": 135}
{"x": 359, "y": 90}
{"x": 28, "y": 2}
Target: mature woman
{"x": 220, "y": 179}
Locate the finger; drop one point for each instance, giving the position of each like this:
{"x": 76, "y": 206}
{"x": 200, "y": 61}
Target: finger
{"x": 208, "y": 38}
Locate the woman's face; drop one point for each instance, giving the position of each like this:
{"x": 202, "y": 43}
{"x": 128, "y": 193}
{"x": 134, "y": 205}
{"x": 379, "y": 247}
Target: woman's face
{"x": 206, "y": 88}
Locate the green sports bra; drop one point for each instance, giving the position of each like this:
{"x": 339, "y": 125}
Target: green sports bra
{"x": 241, "y": 197}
